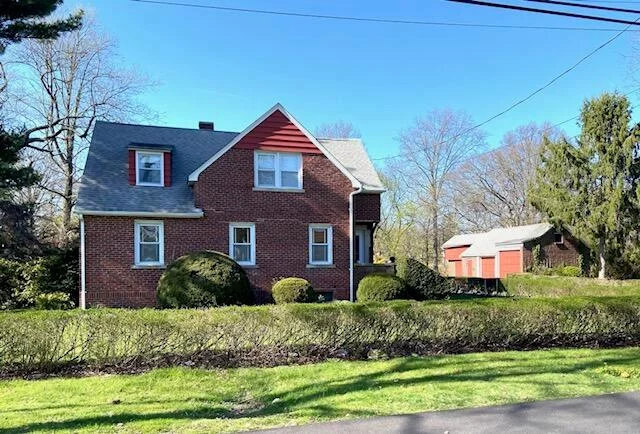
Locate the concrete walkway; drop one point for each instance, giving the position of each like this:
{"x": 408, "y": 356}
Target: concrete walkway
{"x": 615, "y": 413}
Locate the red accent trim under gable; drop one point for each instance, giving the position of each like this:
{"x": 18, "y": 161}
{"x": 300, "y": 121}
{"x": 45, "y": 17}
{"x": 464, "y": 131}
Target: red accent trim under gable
{"x": 167, "y": 169}
{"x": 277, "y": 133}
{"x": 132, "y": 167}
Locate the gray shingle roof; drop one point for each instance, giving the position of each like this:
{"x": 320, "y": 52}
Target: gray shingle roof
{"x": 352, "y": 155}
{"x": 105, "y": 182}
{"x": 488, "y": 243}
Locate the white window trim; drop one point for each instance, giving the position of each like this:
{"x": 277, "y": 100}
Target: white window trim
{"x": 329, "y": 229}
{"x": 561, "y": 238}
{"x": 136, "y": 242}
{"x": 252, "y": 240}
{"x": 278, "y": 175}
{"x": 150, "y": 184}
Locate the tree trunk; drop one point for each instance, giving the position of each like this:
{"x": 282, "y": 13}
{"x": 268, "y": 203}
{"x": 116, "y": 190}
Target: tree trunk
{"x": 67, "y": 192}
{"x": 601, "y": 272}
{"x": 436, "y": 257}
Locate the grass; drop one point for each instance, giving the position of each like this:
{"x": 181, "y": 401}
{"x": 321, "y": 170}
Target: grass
{"x": 194, "y": 400}
{"x": 530, "y": 285}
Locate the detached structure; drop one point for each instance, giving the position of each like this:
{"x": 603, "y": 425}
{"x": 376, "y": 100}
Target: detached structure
{"x": 503, "y": 251}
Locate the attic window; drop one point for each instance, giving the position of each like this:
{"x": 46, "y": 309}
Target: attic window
{"x": 558, "y": 238}
{"x": 149, "y": 168}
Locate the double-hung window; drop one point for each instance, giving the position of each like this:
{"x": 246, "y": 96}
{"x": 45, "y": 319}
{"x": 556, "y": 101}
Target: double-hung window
{"x": 149, "y": 168}
{"x": 320, "y": 245}
{"x": 278, "y": 170}
{"x": 149, "y": 243}
{"x": 242, "y": 243}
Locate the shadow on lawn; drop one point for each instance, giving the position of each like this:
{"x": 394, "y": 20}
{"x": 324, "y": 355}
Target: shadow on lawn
{"x": 272, "y": 404}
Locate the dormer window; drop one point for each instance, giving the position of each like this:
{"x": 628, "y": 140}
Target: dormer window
{"x": 149, "y": 168}
{"x": 278, "y": 170}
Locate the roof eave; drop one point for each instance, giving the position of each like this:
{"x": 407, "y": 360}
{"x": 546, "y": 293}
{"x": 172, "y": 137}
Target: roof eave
{"x": 197, "y": 213}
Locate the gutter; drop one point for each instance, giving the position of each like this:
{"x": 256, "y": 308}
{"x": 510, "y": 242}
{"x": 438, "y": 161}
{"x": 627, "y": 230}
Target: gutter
{"x": 194, "y": 215}
{"x": 83, "y": 286}
{"x": 351, "y": 250}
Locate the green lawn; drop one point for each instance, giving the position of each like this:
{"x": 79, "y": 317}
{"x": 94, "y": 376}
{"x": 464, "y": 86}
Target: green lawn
{"x": 193, "y": 400}
{"x": 531, "y": 285}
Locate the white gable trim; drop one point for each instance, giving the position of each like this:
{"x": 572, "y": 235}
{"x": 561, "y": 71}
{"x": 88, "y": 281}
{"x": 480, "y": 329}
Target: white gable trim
{"x": 193, "y": 177}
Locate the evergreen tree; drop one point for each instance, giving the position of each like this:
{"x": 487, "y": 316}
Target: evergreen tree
{"x": 21, "y": 19}
{"x": 590, "y": 185}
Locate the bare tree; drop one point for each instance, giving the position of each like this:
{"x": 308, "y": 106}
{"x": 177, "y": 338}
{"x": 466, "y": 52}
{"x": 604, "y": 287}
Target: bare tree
{"x": 337, "y": 130}
{"x": 67, "y": 85}
{"x": 492, "y": 189}
{"x": 433, "y": 149}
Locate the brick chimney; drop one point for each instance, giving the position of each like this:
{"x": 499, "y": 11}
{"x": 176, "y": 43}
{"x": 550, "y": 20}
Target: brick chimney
{"x": 205, "y": 125}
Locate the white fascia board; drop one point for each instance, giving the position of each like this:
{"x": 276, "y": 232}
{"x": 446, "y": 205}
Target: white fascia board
{"x": 193, "y": 177}
{"x": 196, "y": 214}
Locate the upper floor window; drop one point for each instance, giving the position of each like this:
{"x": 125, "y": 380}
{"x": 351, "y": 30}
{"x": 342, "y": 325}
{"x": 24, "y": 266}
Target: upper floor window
{"x": 149, "y": 168}
{"x": 278, "y": 170}
{"x": 558, "y": 237}
{"x": 149, "y": 243}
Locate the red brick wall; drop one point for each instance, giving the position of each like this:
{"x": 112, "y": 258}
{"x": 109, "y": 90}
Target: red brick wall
{"x": 225, "y": 193}
{"x": 553, "y": 254}
{"x": 366, "y": 207}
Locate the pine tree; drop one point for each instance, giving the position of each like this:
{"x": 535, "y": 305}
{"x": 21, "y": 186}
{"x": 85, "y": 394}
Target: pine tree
{"x": 21, "y": 19}
{"x": 590, "y": 184}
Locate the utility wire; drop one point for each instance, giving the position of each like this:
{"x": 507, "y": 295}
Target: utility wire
{"x": 544, "y": 11}
{"x": 537, "y": 91}
{"x": 586, "y": 6}
{"x": 371, "y": 19}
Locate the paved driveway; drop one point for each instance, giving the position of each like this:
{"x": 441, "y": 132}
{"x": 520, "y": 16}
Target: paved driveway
{"x": 615, "y": 413}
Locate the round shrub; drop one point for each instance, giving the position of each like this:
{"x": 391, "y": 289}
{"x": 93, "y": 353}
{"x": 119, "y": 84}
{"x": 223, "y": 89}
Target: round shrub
{"x": 381, "y": 287}
{"x": 424, "y": 283}
{"x": 293, "y": 290}
{"x": 204, "y": 279}
{"x": 571, "y": 271}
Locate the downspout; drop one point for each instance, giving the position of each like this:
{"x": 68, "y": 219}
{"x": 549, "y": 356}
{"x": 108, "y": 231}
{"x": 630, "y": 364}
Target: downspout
{"x": 351, "y": 250}
{"x": 83, "y": 303}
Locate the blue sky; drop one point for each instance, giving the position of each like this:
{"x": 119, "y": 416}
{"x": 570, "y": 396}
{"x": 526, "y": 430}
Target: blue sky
{"x": 230, "y": 67}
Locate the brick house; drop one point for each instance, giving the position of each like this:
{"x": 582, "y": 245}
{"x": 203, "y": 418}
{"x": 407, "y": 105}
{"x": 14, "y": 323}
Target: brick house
{"x": 503, "y": 251}
{"x": 278, "y": 200}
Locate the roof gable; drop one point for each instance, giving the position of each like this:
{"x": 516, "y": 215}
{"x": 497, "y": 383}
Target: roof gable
{"x": 258, "y": 135}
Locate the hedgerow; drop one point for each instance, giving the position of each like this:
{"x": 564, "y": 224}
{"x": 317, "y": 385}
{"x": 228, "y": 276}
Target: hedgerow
{"x": 58, "y": 341}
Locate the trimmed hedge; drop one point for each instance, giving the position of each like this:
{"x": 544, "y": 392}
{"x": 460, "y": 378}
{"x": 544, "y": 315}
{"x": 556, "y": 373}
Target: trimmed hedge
{"x": 380, "y": 287}
{"x": 532, "y": 285}
{"x": 293, "y": 290}
{"x": 204, "y": 279}
{"x": 54, "y": 341}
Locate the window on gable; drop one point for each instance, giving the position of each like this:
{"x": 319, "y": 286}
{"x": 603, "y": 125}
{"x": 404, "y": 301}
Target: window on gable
{"x": 558, "y": 238}
{"x": 278, "y": 170}
{"x": 320, "y": 245}
{"x": 149, "y": 243}
{"x": 149, "y": 168}
{"x": 242, "y": 243}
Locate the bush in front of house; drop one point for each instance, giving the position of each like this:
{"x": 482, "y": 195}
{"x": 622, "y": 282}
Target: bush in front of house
{"x": 203, "y": 279}
{"x": 53, "y": 300}
{"x": 22, "y": 283}
{"x": 424, "y": 283}
{"x": 122, "y": 339}
{"x": 9, "y": 281}
{"x": 293, "y": 290}
{"x": 571, "y": 271}
{"x": 380, "y": 287}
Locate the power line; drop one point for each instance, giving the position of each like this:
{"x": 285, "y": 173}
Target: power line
{"x": 371, "y": 19}
{"x": 535, "y": 92}
{"x": 545, "y": 11}
{"x": 585, "y": 5}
